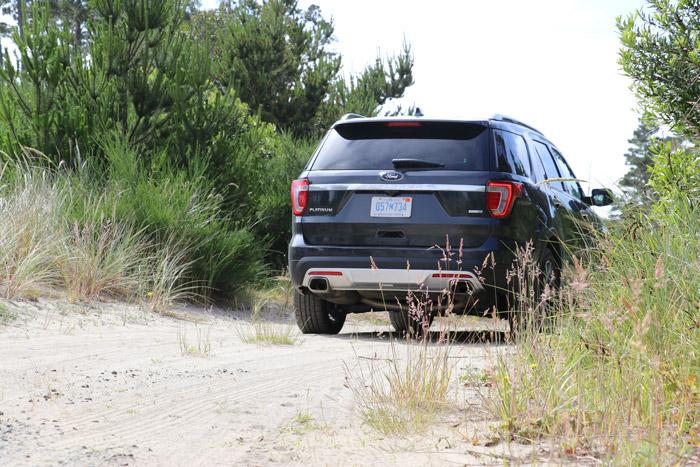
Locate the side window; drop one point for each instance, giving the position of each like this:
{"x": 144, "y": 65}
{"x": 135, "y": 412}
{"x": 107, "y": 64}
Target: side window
{"x": 550, "y": 168}
{"x": 537, "y": 167}
{"x": 511, "y": 153}
{"x": 571, "y": 187}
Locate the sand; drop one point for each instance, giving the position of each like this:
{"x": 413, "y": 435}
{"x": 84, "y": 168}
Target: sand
{"x": 111, "y": 384}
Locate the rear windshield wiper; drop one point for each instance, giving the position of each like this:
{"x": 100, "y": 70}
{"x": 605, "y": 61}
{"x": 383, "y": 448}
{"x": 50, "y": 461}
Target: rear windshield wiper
{"x": 414, "y": 164}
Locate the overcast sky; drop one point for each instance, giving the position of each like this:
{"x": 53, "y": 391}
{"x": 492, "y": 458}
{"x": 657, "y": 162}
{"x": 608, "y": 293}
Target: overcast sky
{"x": 550, "y": 63}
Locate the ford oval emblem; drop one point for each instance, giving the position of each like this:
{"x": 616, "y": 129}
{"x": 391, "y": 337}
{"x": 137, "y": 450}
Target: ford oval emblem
{"x": 391, "y": 176}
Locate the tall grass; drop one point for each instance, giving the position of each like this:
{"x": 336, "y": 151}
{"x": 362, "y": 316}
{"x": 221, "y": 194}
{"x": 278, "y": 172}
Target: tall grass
{"x": 167, "y": 280}
{"x": 404, "y": 393}
{"x": 43, "y": 245}
{"x": 101, "y": 258}
{"x": 617, "y": 376}
{"x": 29, "y": 232}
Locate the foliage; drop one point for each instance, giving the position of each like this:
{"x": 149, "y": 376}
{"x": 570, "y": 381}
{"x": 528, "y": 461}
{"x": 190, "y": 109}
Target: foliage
{"x": 172, "y": 205}
{"x": 617, "y": 377}
{"x": 645, "y": 147}
{"x": 661, "y": 53}
{"x": 151, "y": 127}
{"x": 70, "y": 14}
{"x": 675, "y": 176}
{"x": 95, "y": 256}
{"x": 639, "y": 159}
{"x": 365, "y": 93}
{"x": 278, "y": 58}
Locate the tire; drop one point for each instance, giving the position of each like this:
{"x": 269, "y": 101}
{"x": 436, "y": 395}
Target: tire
{"x": 317, "y": 316}
{"x": 404, "y": 323}
{"x": 550, "y": 275}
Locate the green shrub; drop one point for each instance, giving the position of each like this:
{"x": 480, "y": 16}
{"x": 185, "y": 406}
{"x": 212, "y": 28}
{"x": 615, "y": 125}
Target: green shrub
{"x": 271, "y": 202}
{"x": 172, "y": 205}
{"x": 675, "y": 174}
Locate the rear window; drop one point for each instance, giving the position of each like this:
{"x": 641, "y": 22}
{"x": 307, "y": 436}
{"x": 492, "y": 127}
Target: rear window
{"x": 373, "y": 145}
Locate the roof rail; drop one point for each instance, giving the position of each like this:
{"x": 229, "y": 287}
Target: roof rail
{"x": 503, "y": 118}
{"x": 350, "y": 116}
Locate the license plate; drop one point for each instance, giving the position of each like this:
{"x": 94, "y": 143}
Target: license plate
{"x": 384, "y": 206}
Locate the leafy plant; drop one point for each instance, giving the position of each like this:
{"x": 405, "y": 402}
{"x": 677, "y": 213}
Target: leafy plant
{"x": 661, "y": 53}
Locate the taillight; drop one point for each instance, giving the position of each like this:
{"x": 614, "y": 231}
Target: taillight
{"x": 300, "y": 196}
{"x": 404, "y": 124}
{"x": 500, "y": 197}
{"x": 452, "y": 275}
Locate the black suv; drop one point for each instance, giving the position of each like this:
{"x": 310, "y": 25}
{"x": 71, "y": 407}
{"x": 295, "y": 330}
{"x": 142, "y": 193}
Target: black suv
{"x": 386, "y": 206}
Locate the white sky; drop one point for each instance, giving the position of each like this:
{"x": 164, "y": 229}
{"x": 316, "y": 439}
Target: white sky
{"x": 550, "y": 63}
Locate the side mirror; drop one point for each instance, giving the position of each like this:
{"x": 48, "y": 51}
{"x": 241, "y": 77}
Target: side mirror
{"x": 601, "y": 197}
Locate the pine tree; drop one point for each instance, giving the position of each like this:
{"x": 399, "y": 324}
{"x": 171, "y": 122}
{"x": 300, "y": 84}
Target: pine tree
{"x": 639, "y": 159}
{"x": 276, "y": 57}
{"x": 71, "y": 14}
{"x": 15, "y": 9}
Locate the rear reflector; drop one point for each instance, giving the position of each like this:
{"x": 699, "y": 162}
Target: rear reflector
{"x": 452, "y": 275}
{"x": 404, "y": 124}
{"x": 325, "y": 273}
{"x": 300, "y": 196}
{"x": 500, "y": 197}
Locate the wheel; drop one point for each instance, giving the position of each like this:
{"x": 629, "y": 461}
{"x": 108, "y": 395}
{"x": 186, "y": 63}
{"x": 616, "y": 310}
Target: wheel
{"x": 317, "y": 316}
{"x": 549, "y": 279}
{"x": 404, "y": 323}
{"x": 550, "y": 270}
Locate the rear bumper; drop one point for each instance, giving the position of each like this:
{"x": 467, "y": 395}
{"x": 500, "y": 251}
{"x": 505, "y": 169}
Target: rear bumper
{"x": 369, "y": 279}
{"x": 366, "y": 268}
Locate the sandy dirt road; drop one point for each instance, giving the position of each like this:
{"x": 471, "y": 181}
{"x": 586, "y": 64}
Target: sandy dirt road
{"x": 110, "y": 384}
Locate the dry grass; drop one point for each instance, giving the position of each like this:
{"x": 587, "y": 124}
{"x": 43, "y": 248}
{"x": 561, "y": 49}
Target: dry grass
{"x": 268, "y": 331}
{"x": 301, "y": 424}
{"x": 6, "y": 315}
{"x": 102, "y": 259}
{"x": 42, "y": 248}
{"x": 29, "y": 233}
{"x": 270, "y": 315}
{"x": 167, "y": 278}
{"x": 616, "y": 376}
{"x": 200, "y": 347}
{"x": 404, "y": 393}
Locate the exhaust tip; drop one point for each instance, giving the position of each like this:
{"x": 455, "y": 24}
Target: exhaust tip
{"x": 463, "y": 287}
{"x": 319, "y": 284}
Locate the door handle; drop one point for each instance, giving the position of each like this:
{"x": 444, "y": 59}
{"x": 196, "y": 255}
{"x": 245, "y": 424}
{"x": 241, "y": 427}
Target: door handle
{"x": 557, "y": 203}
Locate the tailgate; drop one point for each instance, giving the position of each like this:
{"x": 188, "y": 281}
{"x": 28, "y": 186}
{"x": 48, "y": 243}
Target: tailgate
{"x": 358, "y": 210}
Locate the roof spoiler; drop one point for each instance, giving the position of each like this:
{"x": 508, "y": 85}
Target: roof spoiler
{"x": 503, "y": 118}
{"x": 350, "y": 116}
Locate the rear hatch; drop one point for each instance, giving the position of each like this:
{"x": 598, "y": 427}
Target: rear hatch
{"x": 399, "y": 183}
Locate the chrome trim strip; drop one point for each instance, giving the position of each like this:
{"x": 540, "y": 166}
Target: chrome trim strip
{"x": 393, "y": 187}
